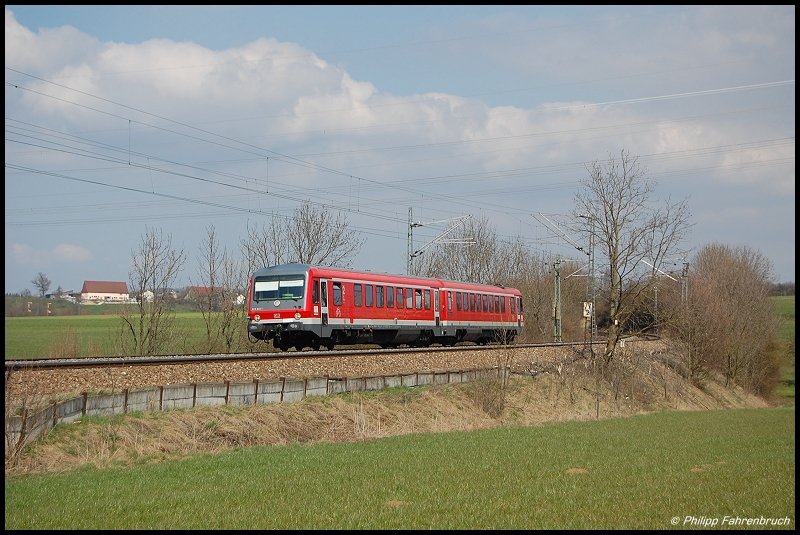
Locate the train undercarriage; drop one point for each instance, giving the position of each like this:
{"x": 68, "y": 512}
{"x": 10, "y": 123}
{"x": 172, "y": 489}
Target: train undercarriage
{"x": 284, "y": 338}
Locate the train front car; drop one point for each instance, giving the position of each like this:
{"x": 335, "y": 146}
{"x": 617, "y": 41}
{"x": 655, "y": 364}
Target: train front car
{"x": 278, "y": 307}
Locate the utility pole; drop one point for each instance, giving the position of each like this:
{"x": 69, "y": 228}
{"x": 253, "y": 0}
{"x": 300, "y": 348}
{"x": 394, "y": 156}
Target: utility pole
{"x": 588, "y": 307}
{"x": 557, "y": 302}
{"x": 593, "y": 325}
{"x": 410, "y": 243}
{"x": 655, "y": 306}
{"x": 590, "y": 289}
{"x": 685, "y": 284}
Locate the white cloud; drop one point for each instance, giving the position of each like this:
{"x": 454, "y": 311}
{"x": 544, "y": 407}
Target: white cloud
{"x": 26, "y": 255}
{"x": 271, "y": 115}
{"x": 71, "y": 253}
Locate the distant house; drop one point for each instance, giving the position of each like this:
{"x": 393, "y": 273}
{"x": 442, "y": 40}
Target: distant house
{"x": 193, "y": 293}
{"x": 105, "y": 291}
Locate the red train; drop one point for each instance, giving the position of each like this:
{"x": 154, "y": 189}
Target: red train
{"x": 300, "y": 305}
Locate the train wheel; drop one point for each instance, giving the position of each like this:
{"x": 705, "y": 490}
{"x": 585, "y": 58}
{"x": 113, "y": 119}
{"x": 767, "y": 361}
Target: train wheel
{"x": 283, "y": 346}
{"x": 329, "y": 344}
{"x": 315, "y": 344}
{"x": 298, "y": 346}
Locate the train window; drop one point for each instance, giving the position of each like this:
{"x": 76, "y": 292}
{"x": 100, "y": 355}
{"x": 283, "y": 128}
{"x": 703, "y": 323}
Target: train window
{"x": 409, "y": 298}
{"x": 520, "y": 304}
{"x": 497, "y": 303}
{"x": 315, "y": 292}
{"x": 418, "y": 297}
{"x": 390, "y": 297}
{"x": 485, "y": 304}
{"x": 491, "y": 304}
{"x": 337, "y": 293}
{"x": 324, "y": 292}
{"x": 427, "y": 299}
{"x": 357, "y": 295}
{"x": 399, "y": 298}
{"x": 513, "y": 305}
{"x": 458, "y": 300}
{"x": 449, "y": 300}
{"x": 472, "y": 302}
{"x": 265, "y": 289}
{"x": 503, "y": 304}
{"x": 477, "y": 302}
{"x": 379, "y": 296}
{"x": 368, "y": 295}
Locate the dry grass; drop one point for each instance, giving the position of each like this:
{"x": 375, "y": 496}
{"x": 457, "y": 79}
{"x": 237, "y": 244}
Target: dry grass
{"x": 560, "y": 392}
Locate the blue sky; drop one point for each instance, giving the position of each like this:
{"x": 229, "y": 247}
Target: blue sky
{"x": 120, "y": 118}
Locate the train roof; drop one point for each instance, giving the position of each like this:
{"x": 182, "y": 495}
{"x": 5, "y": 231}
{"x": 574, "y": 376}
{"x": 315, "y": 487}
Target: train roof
{"x": 283, "y": 269}
{"x": 296, "y": 268}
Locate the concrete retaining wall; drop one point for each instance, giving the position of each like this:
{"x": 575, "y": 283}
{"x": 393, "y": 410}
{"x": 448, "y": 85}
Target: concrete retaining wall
{"x": 22, "y": 429}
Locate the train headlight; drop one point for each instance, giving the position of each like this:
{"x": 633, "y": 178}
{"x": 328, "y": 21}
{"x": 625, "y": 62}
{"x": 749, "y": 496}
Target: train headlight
{"x": 297, "y": 315}
{"x": 257, "y": 317}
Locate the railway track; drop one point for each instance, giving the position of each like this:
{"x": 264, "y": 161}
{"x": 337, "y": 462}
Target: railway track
{"x": 94, "y": 362}
{"x": 37, "y": 380}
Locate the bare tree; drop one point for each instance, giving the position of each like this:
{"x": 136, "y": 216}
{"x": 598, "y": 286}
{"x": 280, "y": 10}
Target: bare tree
{"x": 266, "y": 245}
{"x": 42, "y": 283}
{"x": 316, "y": 236}
{"x": 517, "y": 267}
{"x": 455, "y": 260}
{"x": 223, "y": 280}
{"x": 730, "y": 296}
{"x": 313, "y": 235}
{"x": 156, "y": 265}
{"x": 616, "y": 206}
{"x": 234, "y": 303}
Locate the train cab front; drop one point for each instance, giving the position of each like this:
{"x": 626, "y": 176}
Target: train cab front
{"x": 275, "y": 307}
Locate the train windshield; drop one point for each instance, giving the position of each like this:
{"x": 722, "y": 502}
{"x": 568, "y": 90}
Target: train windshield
{"x": 269, "y": 288}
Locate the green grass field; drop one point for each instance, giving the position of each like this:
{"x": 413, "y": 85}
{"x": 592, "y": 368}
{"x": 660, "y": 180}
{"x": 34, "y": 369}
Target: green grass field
{"x": 96, "y": 335}
{"x": 784, "y": 306}
{"x": 658, "y": 471}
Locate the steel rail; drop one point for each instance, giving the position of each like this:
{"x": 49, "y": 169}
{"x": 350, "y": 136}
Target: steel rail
{"x": 89, "y": 362}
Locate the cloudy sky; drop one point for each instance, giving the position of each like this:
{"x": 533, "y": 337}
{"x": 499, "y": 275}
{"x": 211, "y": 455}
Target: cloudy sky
{"x": 120, "y": 119}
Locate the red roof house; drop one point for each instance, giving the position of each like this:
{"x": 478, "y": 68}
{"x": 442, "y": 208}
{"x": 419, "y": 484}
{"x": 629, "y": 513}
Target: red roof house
{"x": 104, "y": 291}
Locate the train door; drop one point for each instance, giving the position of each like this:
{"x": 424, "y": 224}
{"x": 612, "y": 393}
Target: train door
{"x": 324, "y": 301}
{"x": 436, "y": 306}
